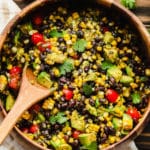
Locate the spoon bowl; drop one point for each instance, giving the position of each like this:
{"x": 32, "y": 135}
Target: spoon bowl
{"x": 30, "y": 92}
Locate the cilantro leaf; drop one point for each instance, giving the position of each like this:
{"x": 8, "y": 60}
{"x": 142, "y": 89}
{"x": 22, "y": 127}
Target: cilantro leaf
{"x": 87, "y": 89}
{"x": 106, "y": 65}
{"x": 58, "y": 118}
{"x": 66, "y": 67}
{"x": 55, "y": 33}
{"x": 136, "y": 99}
{"x": 130, "y": 4}
{"x": 92, "y": 146}
{"x": 80, "y": 45}
{"x": 53, "y": 119}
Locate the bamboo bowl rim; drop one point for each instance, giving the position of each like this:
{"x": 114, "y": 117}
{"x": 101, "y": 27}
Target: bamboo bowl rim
{"x": 112, "y": 5}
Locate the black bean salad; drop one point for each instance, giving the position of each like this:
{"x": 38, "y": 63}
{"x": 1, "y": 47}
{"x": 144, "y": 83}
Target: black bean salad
{"x": 96, "y": 65}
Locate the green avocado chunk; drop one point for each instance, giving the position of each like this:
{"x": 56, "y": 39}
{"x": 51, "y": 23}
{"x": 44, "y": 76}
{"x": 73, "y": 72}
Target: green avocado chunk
{"x": 115, "y": 72}
{"x": 77, "y": 121}
{"x": 117, "y": 123}
{"x": 9, "y": 102}
{"x": 126, "y": 79}
{"x": 44, "y": 79}
{"x": 127, "y": 122}
{"x": 87, "y": 138}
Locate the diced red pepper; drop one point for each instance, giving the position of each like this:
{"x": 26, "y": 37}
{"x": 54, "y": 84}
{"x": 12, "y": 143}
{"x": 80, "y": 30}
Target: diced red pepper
{"x": 36, "y": 108}
{"x": 68, "y": 94}
{"x": 76, "y": 134}
{"x": 43, "y": 46}
{"x": 112, "y": 95}
{"x": 37, "y": 37}
{"x": 105, "y": 29}
{"x": 25, "y": 130}
{"x": 37, "y": 19}
{"x": 15, "y": 70}
{"x": 34, "y": 128}
{"x": 134, "y": 113}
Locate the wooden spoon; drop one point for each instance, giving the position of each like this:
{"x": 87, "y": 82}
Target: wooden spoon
{"x": 28, "y": 95}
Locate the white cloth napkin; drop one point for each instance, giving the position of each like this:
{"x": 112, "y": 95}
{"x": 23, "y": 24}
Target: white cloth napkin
{"x": 8, "y": 9}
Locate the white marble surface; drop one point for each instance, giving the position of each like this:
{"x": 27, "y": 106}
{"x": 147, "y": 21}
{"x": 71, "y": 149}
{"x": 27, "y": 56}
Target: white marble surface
{"x": 8, "y": 9}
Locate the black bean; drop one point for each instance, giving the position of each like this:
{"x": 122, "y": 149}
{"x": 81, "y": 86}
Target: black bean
{"x": 86, "y": 68}
{"x": 72, "y": 103}
{"x": 45, "y": 132}
{"x": 92, "y": 102}
{"x": 63, "y": 79}
{"x": 47, "y": 114}
{"x": 75, "y": 143}
{"x": 62, "y": 99}
{"x": 60, "y": 39}
{"x": 80, "y": 34}
{"x": 43, "y": 125}
{"x": 64, "y": 105}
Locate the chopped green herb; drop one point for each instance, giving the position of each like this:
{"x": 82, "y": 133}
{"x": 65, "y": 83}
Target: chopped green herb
{"x": 106, "y": 65}
{"x": 66, "y": 67}
{"x": 130, "y": 4}
{"x": 144, "y": 79}
{"x": 136, "y": 99}
{"x": 92, "y": 146}
{"x": 80, "y": 45}
{"x": 16, "y": 38}
{"x": 97, "y": 103}
{"x": 59, "y": 118}
{"x": 55, "y": 33}
{"x": 87, "y": 89}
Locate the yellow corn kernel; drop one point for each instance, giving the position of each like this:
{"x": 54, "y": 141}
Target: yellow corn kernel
{"x": 99, "y": 48}
{"x": 75, "y": 15}
{"x": 71, "y": 140}
{"x": 118, "y": 39}
{"x": 92, "y": 128}
{"x": 82, "y": 25}
{"x": 54, "y": 111}
{"x": 147, "y": 72}
{"x": 30, "y": 136}
{"x": 76, "y": 62}
{"x": 26, "y": 115}
{"x": 104, "y": 19}
{"x": 66, "y": 37}
{"x": 112, "y": 139}
{"x": 89, "y": 45}
{"x": 56, "y": 72}
{"x": 66, "y": 129}
{"x": 125, "y": 58}
{"x": 48, "y": 104}
{"x": 114, "y": 43}
{"x": 133, "y": 85}
{"x": 94, "y": 66}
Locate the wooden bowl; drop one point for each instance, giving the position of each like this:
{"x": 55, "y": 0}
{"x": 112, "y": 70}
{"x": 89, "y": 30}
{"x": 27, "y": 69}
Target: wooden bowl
{"x": 114, "y": 6}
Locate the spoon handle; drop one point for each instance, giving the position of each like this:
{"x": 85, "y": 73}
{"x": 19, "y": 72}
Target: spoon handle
{"x": 28, "y": 95}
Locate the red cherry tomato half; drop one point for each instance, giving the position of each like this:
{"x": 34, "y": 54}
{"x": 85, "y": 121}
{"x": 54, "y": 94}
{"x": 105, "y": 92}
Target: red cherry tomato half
{"x": 68, "y": 94}
{"x": 76, "y": 134}
{"x": 14, "y": 82}
{"x": 43, "y": 46}
{"x": 112, "y": 95}
{"x": 37, "y": 19}
{"x": 15, "y": 70}
{"x": 37, "y": 37}
{"x": 34, "y": 128}
{"x": 134, "y": 113}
